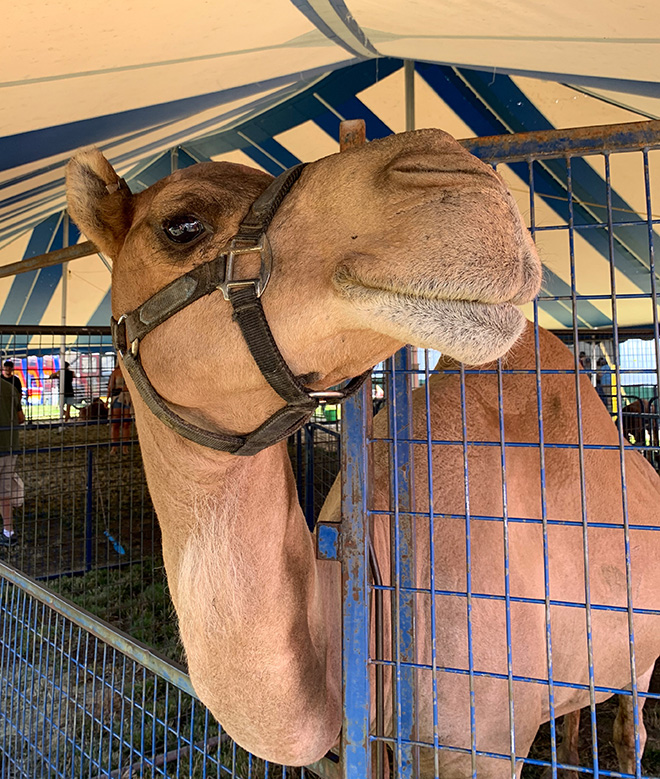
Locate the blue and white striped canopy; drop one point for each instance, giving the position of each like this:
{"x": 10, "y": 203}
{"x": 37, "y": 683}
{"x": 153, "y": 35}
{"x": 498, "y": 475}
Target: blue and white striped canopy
{"x": 266, "y": 83}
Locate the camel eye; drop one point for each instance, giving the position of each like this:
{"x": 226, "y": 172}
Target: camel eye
{"x": 183, "y": 229}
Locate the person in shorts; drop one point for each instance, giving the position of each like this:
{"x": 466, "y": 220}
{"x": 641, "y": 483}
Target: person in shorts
{"x": 11, "y": 416}
{"x": 119, "y": 400}
{"x": 69, "y": 397}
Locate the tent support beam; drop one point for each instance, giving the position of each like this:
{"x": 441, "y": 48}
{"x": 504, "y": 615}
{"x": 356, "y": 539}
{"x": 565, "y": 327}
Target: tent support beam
{"x": 583, "y": 141}
{"x": 65, "y": 290}
{"x": 51, "y": 258}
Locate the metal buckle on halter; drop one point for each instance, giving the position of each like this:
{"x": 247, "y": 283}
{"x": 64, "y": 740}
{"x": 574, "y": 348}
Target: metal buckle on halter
{"x": 122, "y": 348}
{"x": 323, "y": 396}
{"x": 235, "y": 249}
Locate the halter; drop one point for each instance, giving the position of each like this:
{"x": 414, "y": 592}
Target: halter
{"x": 244, "y": 296}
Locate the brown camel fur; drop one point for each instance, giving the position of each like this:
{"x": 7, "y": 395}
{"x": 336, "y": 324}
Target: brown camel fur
{"x": 407, "y": 239}
{"x": 607, "y": 566}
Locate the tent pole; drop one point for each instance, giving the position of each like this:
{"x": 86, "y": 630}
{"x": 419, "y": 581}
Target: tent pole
{"x": 65, "y": 290}
{"x": 409, "y": 101}
{"x": 409, "y": 93}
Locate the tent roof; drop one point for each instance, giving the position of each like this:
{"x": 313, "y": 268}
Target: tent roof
{"x": 266, "y": 83}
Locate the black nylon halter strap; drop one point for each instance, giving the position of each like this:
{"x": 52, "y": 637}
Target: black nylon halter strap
{"x": 250, "y": 317}
{"x": 275, "y": 429}
{"x": 181, "y": 292}
{"x": 243, "y": 294}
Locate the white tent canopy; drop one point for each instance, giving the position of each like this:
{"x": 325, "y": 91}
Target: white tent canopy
{"x": 158, "y": 86}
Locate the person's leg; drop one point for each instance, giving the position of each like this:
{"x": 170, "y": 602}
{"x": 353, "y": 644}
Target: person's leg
{"x": 125, "y": 425}
{"x": 6, "y": 471}
{"x": 7, "y": 518}
{"x": 115, "y": 427}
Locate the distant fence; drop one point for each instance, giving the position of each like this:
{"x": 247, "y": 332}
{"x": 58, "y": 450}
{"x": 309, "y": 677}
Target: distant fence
{"x": 38, "y": 353}
{"x": 87, "y": 527}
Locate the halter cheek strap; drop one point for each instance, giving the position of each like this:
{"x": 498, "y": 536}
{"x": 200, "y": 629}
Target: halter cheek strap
{"x": 244, "y": 296}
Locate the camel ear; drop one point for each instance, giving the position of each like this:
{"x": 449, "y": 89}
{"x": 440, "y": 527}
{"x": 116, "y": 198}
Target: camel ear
{"x": 99, "y": 202}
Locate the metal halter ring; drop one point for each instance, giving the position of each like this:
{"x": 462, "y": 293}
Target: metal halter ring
{"x": 260, "y": 283}
{"x": 135, "y": 343}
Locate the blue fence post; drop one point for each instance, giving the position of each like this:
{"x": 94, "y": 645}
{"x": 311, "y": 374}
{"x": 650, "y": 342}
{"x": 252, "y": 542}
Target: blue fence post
{"x": 300, "y": 482}
{"x": 403, "y": 622}
{"x": 89, "y": 510}
{"x": 309, "y": 476}
{"x": 355, "y": 747}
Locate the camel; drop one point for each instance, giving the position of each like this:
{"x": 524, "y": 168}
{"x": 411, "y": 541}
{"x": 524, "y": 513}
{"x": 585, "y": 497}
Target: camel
{"x": 607, "y": 563}
{"x": 409, "y": 239}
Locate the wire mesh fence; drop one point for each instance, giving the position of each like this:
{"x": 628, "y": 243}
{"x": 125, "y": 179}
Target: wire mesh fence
{"x": 500, "y": 535}
{"x": 507, "y": 575}
{"x": 315, "y": 456}
{"x": 79, "y": 699}
{"x": 84, "y": 524}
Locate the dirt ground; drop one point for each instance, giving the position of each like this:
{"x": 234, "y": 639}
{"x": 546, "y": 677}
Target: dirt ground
{"x": 607, "y": 760}
{"x": 86, "y": 505}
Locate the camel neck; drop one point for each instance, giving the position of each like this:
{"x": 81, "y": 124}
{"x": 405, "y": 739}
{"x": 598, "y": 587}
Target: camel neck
{"x": 197, "y": 469}
{"x": 243, "y": 577}
{"x": 190, "y": 483}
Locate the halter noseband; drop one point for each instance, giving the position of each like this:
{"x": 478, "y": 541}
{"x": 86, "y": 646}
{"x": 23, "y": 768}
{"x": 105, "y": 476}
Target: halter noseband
{"x": 243, "y": 294}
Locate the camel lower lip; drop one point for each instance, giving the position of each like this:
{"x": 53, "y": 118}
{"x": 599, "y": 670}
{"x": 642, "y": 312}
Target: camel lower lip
{"x": 471, "y": 331}
{"x": 458, "y": 308}
{"x": 360, "y": 288}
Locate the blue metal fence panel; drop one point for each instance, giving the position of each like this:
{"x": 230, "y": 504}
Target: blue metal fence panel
{"x": 412, "y": 711}
{"x": 356, "y": 751}
{"x": 404, "y": 564}
{"x": 80, "y": 699}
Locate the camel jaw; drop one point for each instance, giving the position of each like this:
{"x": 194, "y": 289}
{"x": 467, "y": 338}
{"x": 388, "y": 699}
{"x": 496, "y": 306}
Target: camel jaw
{"x": 470, "y": 331}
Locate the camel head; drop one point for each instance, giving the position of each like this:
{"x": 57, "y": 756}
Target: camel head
{"x": 409, "y": 239}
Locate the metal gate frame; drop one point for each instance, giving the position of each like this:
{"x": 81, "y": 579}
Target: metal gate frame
{"x": 81, "y": 698}
{"x": 352, "y": 548}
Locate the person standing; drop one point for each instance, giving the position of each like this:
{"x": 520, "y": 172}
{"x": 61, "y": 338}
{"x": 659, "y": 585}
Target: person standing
{"x": 69, "y": 397}
{"x": 119, "y": 400}
{"x": 604, "y": 382}
{"x": 9, "y": 375}
{"x": 11, "y": 416}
